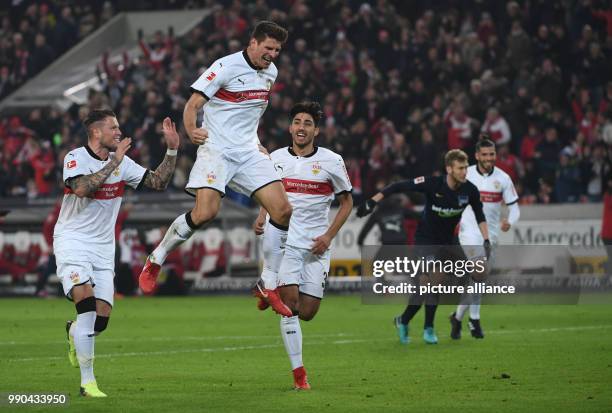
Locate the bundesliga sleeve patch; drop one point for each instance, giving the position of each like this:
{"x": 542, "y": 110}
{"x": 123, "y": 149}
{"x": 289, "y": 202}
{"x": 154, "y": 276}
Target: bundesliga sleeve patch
{"x": 211, "y": 76}
{"x": 71, "y": 164}
{"x": 419, "y": 180}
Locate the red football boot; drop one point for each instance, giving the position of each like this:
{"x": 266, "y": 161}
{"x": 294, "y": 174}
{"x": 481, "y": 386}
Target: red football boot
{"x": 270, "y": 298}
{"x": 148, "y": 277}
{"x": 262, "y": 304}
{"x": 300, "y": 381}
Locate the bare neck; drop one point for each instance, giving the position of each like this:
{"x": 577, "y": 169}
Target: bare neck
{"x": 100, "y": 151}
{"x": 306, "y": 150}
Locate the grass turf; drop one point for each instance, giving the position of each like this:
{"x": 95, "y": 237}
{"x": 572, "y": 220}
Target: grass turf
{"x": 218, "y": 353}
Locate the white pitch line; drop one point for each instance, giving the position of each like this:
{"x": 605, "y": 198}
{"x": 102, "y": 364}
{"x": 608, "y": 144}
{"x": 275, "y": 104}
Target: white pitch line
{"x": 164, "y": 338}
{"x": 551, "y": 330}
{"x": 313, "y": 343}
{"x": 200, "y": 350}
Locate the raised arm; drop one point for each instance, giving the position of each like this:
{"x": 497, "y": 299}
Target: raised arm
{"x": 160, "y": 177}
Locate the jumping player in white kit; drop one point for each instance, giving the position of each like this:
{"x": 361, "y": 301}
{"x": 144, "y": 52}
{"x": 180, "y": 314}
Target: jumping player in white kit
{"x": 312, "y": 177}
{"x": 95, "y": 176}
{"x": 495, "y": 186}
{"x": 233, "y": 94}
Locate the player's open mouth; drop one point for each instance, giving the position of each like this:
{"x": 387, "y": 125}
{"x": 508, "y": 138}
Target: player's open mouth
{"x": 267, "y": 59}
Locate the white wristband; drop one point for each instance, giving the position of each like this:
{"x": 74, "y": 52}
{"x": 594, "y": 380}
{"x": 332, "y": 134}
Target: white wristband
{"x": 171, "y": 152}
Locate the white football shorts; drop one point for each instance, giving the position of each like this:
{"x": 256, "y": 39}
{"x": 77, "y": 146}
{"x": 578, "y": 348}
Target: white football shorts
{"x": 302, "y": 268}
{"x": 243, "y": 170}
{"x": 74, "y": 273}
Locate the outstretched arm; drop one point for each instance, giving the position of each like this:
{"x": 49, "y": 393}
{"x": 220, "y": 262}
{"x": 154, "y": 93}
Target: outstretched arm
{"x": 418, "y": 184}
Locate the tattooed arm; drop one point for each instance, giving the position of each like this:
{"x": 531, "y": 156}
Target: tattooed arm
{"x": 85, "y": 185}
{"x": 159, "y": 178}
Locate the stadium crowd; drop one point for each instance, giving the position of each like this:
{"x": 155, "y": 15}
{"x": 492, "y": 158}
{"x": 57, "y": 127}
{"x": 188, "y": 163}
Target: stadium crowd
{"x": 400, "y": 83}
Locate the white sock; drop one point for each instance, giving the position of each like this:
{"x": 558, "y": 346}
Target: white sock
{"x": 177, "y": 233}
{"x": 269, "y": 278}
{"x": 460, "y": 312}
{"x": 84, "y": 344}
{"x": 273, "y": 250}
{"x": 475, "y": 309}
{"x": 292, "y": 337}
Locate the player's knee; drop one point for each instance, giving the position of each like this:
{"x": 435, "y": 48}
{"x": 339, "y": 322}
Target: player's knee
{"x": 201, "y": 216}
{"x": 293, "y": 305}
{"x": 282, "y": 214}
{"x": 307, "y": 315}
{"x": 100, "y": 324}
{"x": 86, "y": 305}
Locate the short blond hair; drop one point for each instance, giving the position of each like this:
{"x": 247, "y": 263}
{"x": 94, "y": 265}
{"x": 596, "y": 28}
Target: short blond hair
{"x": 455, "y": 155}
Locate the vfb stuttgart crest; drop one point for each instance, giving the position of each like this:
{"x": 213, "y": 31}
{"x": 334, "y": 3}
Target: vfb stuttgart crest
{"x": 74, "y": 277}
{"x": 316, "y": 168}
{"x": 116, "y": 171}
{"x": 211, "y": 177}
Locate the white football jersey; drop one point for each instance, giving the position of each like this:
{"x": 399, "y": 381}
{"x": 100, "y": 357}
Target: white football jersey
{"x": 494, "y": 188}
{"x": 237, "y": 94}
{"x": 85, "y": 229}
{"x": 311, "y": 183}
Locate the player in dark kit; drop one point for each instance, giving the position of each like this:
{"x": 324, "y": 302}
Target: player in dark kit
{"x": 447, "y": 196}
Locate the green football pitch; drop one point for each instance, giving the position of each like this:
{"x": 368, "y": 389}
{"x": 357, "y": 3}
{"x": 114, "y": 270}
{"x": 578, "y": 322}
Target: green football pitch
{"x": 219, "y": 354}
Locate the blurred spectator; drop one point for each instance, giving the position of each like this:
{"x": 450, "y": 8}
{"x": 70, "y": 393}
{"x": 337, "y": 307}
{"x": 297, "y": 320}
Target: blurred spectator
{"x": 399, "y": 85}
{"x": 568, "y": 186}
{"x": 509, "y": 163}
{"x": 547, "y": 153}
{"x": 497, "y": 127}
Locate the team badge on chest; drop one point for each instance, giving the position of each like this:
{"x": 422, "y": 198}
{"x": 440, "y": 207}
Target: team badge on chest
{"x": 463, "y": 200}
{"x": 316, "y": 168}
{"x": 211, "y": 177}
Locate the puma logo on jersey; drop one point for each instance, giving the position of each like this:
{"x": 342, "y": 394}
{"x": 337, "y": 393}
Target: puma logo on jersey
{"x": 439, "y": 195}
{"x": 241, "y": 81}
